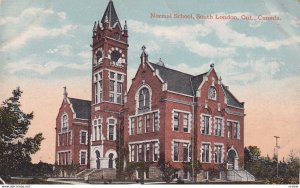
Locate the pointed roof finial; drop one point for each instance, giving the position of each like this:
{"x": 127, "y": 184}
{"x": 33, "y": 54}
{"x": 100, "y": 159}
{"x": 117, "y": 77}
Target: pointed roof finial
{"x": 65, "y": 93}
{"x": 160, "y": 62}
{"x": 144, "y": 55}
{"x": 125, "y": 26}
{"x": 95, "y": 26}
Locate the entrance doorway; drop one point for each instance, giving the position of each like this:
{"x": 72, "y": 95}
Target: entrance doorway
{"x": 97, "y": 159}
{"x": 232, "y": 160}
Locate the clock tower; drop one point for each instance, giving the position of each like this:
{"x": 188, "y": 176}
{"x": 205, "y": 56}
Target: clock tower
{"x": 109, "y": 86}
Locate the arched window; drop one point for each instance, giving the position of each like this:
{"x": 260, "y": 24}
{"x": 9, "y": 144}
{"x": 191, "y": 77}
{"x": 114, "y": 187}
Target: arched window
{"x": 212, "y": 93}
{"x": 99, "y": 56}
{"x": 110, "y": 160}
{"x": 64, "y": 123}
{"x": 144, "y": 100}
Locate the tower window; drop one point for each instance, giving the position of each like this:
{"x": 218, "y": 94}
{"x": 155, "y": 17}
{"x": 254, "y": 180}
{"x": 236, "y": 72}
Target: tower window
{"x": 99, "y": 56}
{"x": 115, "y": 87}
{"x": 98, "y": 87}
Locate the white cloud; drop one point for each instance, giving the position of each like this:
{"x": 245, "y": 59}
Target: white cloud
{"x": 85, "y": 55}
{"x": 8, "y": 20}
{"x": 234, "y": 71}
{"x": 62, "y": 15}
{"x": 34, "y": 11}
{"x": 234, "y": 38}
{"x": 186, "y": 34}
{"x": 42, "y": 69}
{"x": 34, "y": 32}
{"x": 65, "y": 50}
{"x": 29, "y": 12}
{"x": 190, "y": 36}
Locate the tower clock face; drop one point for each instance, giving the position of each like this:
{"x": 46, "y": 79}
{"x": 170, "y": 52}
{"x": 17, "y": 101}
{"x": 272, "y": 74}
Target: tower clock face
{"x": 115, "y": 56}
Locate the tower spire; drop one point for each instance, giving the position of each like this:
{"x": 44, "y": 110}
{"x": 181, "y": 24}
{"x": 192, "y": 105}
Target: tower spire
{"x": 110, "y": 16}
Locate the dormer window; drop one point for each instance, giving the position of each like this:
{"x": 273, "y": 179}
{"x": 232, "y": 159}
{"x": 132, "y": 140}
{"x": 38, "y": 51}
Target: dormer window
{"x": 212, "y": 93}
{"x": 144, "y": 100}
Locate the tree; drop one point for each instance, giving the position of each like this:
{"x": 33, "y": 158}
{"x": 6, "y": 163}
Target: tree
{"x": 167, "y": 170}
{"x": 15, "y": 148}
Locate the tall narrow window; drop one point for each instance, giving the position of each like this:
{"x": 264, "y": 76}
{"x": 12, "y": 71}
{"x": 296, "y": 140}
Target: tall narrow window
{"x": 205, "y": 125}
{"x": 155, "y": 151}
{"x": 139, "y": 131}
{"x": 147, "y": 122}
{"x": 229, "y": 127}
{"x": 185, "y": 152}
{"x": 218, "y": 126}
{"x": 205, "y": 153}
{"x": 119, "y": 92}
{"x": 155, "y": 121}
{"x": 132, "y": 125}
{"x": 111, "y": 132}
{"x": 147, "y": 152}
{"x": 176, "y": 151}
{"x": 218, "y": 154}
{"x": 144, "y": 100}
{"x": 235, "y": 130}
{"x": 132, "y": 153}
{"x": 95, "y": 130}
{"x": 140, "y": 152}
{"x": 111, "y": 129}
{"x": 99, "y": 56}
{"x": 64, "y": 122}
{"x": 176, "y": 121}
{"x": 98, "y": 87}
{"x": 99, "y": 129}
{"x": 83, "y": 137}
{"x": 96, "y": 93}
{"x": 186, "y": 122}
{"x": 101, "y": 91}
{"x": 83, "y": 157}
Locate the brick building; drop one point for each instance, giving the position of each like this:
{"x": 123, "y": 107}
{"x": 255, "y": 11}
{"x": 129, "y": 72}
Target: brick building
{"x": 166, "y": 115}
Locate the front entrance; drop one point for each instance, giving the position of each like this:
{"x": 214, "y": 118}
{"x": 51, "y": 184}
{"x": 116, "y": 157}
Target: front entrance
{"x": 232, "y": 160}
{"x": 98, "y": 159}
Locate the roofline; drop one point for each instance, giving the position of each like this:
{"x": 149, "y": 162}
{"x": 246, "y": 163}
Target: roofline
{"x": 233, "y": 96}
{"x": 236, "y": 107}
{"x": 180, "y": 93}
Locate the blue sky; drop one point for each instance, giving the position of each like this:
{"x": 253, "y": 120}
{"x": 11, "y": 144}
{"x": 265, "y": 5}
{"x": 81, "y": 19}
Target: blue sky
{"x": 44, "y": 45}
